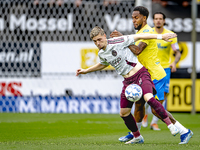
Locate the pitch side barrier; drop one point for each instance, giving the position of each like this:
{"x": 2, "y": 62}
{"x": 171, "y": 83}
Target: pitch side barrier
{"x": 60, "y": 104}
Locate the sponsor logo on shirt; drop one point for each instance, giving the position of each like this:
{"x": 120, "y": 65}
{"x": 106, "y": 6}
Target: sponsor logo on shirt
{"x": 115, "y": 62}
{"x": 161, "y": 47}
{"x": 146, "y": 30}
{"x": 157, "y": 62}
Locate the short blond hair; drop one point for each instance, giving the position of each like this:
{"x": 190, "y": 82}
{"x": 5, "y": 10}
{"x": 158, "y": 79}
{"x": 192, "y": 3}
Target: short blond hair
{"x": 96, "y": 31}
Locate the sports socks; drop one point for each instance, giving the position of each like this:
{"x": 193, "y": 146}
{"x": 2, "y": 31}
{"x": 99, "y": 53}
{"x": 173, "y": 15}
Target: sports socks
{"x": 139, "y": 124}
{"x": 157, "y": 106}
{"x": 131, "y": 125}
{"x": 146, "y": 105}
{"x": 154, "y": 120}
{"x": 181, "y": 128}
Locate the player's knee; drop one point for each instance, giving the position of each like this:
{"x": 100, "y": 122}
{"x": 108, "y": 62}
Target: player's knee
{"x": 124, "y": 112}
{"x": 139, "y": 105}
{"x": 139, "y": 116}
{"x": 148, "y": 96}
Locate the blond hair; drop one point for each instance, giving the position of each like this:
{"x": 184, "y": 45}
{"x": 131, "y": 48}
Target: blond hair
{"x": 96, "y": 31}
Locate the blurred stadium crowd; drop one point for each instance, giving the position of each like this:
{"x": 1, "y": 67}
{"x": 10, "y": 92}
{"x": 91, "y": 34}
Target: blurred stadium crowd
{"x": 77, "y": 3}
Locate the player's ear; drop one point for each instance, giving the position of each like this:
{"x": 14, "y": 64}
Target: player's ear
{"x": 145, "y": 18}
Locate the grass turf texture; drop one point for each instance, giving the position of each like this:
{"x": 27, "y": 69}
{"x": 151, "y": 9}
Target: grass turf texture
{"x": 87, "y": 131}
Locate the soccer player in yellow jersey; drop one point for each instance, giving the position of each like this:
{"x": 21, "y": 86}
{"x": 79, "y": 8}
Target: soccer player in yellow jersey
{"x": 147, "y": 54}
{"x": 164, "y": 49}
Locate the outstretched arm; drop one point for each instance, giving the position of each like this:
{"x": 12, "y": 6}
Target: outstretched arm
{"x": 164, "y": 37}
{"x": 90, "y": 69}
{"x": 146, "y": 36}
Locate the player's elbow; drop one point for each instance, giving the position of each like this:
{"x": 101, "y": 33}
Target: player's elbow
{"x": 135, "y": 49}
{"x": 138, "y": 52}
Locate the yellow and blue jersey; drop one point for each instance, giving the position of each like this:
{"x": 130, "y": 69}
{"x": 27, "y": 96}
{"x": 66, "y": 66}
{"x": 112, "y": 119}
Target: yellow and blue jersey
{"x": 165, "y": 48}
{"x": 148, "y": 57}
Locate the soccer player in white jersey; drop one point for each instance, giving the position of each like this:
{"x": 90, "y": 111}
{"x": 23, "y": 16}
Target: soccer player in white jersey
{"x": 115, "y": 52}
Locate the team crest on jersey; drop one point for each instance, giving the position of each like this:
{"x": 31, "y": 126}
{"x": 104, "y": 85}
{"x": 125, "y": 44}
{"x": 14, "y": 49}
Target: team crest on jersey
{"x": 114, "y": 53}
{"x": 146, "y": 30}
{"x": 157, "y": 62}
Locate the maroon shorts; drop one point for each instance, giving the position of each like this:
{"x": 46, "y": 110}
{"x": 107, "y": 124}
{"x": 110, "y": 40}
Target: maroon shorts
{"x": 143, "y": 79}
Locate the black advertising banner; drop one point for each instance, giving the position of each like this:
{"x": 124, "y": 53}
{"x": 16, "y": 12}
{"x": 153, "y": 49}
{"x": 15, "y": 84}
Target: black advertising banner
{"x": 20, "y": 59}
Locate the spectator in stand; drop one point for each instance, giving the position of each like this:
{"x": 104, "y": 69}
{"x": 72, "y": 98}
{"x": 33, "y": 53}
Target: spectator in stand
{"x": 164, "y": 3}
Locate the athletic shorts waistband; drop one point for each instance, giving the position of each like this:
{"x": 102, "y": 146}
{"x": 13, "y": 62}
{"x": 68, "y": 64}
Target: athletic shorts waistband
{"x": 136, "y": 74}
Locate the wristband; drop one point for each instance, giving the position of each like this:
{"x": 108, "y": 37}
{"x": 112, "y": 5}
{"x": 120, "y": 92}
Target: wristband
{"x": 159, "y": 36}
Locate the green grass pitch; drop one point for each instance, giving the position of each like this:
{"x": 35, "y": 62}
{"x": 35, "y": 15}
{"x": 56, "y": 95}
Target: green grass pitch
{"x": 87, "y": 132}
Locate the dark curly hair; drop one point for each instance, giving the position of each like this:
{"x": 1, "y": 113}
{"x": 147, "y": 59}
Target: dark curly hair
{"x": 143, "y": 10}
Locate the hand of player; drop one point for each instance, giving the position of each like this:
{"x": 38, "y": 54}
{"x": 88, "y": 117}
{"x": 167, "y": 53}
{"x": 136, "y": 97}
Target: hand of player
{"x": 115, "y": 34}
{"x": 173, "y": 67}
{"x": 168, "y": 36}
{"x": 80, "y": 71}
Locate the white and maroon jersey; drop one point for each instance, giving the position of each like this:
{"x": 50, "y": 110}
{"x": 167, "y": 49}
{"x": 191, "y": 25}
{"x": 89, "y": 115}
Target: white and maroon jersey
{"x": 118, "y": 55}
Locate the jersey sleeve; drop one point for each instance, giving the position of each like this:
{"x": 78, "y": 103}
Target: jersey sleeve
{"x": 144, "y": 41}
{"x": 125, "y": 40}
{"x": 174, "y": 44}
{"x": 129, "y": 40}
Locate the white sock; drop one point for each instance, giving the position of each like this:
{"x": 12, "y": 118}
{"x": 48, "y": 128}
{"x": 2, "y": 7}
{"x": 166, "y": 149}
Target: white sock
{"x": 138, "y": 137}
{"x": 139, "y": 124}
{"x": 146, "y": 108}
{"x": 170, "y": 125}
{"x": 154, "y": 120}
{"x": 164, "y": 103}
{"x": 181, "y": 128}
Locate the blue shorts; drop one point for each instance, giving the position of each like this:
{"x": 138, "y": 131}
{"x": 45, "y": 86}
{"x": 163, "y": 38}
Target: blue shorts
{"x": 160, "y": 88}
{"x": 167, "y": 79}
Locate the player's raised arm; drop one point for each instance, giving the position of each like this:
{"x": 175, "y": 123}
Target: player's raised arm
{"x": 165, "y": 37}
{"x": 90, "y": 69}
